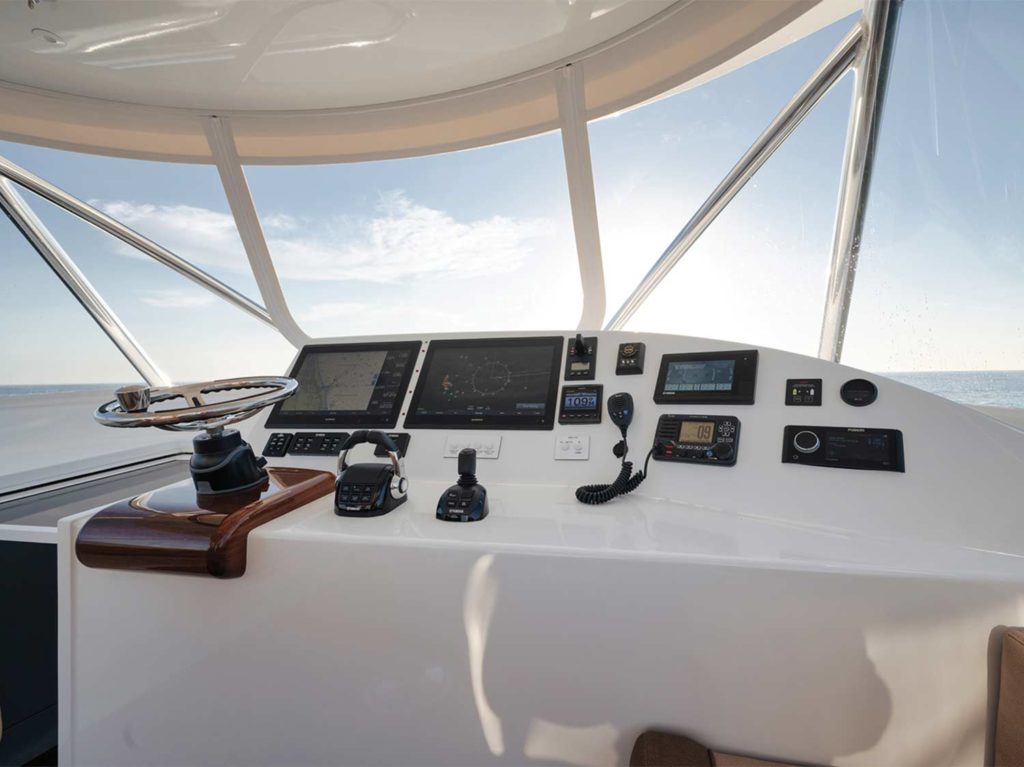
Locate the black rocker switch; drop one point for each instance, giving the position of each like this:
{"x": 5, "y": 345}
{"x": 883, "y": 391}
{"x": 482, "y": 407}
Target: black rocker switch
{"x": 578, "y": 347}
{"x": 581, "y": 361}
{"x": 465, "y": 501}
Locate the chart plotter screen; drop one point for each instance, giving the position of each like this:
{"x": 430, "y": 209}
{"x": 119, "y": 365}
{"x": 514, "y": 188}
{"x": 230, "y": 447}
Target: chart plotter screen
{"x": 510, "y": 383}
{"x": 348, "y": 385}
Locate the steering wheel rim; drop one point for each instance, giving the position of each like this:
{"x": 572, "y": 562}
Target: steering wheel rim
{"x": 200, "y": 415}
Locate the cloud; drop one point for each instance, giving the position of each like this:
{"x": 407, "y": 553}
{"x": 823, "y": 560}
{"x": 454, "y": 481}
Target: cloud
{"x": 401, "y": 240}
{"x": 355, "y": 317}
{"x": 178, "y": 299}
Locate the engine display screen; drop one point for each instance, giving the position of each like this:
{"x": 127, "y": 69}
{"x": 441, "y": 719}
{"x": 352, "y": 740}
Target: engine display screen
{"x": 702, "y": 375}
{"x": 348, "y": 385}
{"x": 697, "y": 432}
{"x": 707, "y": 377}
{"x": 482, "y": 383}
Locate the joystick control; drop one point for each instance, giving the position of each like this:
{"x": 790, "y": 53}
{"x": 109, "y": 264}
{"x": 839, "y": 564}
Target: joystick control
{"x": 465, "y": 501}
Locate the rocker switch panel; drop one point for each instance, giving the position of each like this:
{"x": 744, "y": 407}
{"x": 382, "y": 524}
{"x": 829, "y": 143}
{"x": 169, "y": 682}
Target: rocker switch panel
{"x": 581, "y": 358}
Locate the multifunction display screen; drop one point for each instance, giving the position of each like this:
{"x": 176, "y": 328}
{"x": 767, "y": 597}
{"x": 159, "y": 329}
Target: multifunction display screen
{"x": 348, "y": 385}
{"x": 707, "y": 377}
{"x": 498, "y": 382}
{"x": 697, "y": 432}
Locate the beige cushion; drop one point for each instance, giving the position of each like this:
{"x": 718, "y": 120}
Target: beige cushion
{"x": 1010, "y": 714}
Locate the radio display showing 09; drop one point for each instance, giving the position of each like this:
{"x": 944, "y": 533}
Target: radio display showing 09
{"x": 697, "y": 432}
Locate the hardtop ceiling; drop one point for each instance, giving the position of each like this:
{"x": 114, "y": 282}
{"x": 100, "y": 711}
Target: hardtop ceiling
{"x": 337, "y": 80}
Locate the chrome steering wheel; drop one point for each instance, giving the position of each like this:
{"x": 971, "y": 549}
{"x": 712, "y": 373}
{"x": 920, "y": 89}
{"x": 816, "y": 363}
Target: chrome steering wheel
{"x": 131, "y": 408}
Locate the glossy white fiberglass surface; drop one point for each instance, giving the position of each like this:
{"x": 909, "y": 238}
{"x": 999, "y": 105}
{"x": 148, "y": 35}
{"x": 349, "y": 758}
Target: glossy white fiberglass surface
{"x": 226, "y": 54}
{"x": 812, "y": 614}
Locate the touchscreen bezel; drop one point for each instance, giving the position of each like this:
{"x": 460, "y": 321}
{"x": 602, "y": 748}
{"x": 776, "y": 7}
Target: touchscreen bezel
{"x": 744, "y": 379}
{"x": 545, "y": 422}
{"x": 280, "y": 418}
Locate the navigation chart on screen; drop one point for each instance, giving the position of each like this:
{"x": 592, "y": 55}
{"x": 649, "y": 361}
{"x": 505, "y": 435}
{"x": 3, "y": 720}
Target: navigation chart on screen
{"x": 338, "y": 381}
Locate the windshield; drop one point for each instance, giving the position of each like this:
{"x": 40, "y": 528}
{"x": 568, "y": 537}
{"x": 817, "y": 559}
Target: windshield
{"x": 483, "y": 240}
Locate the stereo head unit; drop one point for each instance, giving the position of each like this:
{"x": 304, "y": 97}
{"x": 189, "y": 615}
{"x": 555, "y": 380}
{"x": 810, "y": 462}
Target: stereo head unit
{"x": 844, "y": 447}
{"x": 708, "y": 378}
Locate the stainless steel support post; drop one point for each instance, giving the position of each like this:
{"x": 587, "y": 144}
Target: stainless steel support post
{"x": 115, "y": 228}
{"x": 23, "y": 217}
{"x": 874, "y": 57}
{"x": 828, "y": 73}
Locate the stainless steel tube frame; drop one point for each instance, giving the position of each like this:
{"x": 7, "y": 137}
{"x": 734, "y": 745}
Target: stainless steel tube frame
{"x": 785, "y": 122}
{"x": 23, "y": 217}
{"x": 880, "y": 22}
{"x": 115, "y": 228}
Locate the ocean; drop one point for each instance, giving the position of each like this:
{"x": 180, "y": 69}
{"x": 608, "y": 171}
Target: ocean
{"x": 1000, "y": 388}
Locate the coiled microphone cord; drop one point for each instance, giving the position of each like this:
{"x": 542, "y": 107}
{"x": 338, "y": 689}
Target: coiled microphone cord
{"x": 626, "y": 482}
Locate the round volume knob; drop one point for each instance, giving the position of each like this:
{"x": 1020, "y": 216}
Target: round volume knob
{"x": 806, "y": 441}
{"x": 723, "y": 451}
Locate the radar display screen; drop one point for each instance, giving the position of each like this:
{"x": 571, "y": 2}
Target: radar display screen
{"x": 348, "y": 385}
{"x": 510, "y": 383}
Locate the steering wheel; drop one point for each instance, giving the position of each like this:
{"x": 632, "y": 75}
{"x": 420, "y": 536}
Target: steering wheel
{"x": 131, "y": 408}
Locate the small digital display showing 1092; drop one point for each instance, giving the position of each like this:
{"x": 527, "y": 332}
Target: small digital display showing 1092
{"x": 582, "y": 400}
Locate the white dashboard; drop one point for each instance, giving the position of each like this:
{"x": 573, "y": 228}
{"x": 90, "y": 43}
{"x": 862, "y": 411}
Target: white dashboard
{"x": 962, "y": 468}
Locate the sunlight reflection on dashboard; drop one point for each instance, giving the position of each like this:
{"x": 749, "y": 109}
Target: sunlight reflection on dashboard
{"x": 477, "y": 611}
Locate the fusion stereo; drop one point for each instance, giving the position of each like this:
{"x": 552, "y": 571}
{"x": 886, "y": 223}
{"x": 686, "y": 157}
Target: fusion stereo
{"x": 844, "y": 447}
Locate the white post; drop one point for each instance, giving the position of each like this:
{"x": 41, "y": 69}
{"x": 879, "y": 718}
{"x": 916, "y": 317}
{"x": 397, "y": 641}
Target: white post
{"x": 247, "y": 221}
{"x": 576, "y": 148}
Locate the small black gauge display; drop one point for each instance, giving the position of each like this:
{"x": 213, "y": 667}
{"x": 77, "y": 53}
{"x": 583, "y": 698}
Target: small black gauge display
{"x": 858, "y": 392}
{"x": 581, "y": 404}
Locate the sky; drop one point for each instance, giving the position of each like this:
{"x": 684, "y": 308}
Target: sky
{"x": 482, "y": 240}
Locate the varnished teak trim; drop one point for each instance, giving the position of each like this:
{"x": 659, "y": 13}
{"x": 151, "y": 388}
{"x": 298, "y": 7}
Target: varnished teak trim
{"x": 173, "y": 530}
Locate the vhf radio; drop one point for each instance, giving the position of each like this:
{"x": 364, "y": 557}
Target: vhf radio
{"x": 708, "y": 439}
